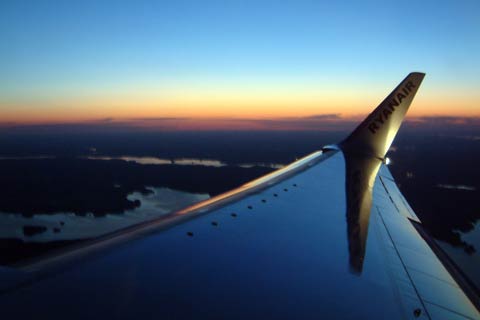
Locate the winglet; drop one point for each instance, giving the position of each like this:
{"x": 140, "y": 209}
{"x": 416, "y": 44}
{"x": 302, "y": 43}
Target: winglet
{"x": 376, "y": 133}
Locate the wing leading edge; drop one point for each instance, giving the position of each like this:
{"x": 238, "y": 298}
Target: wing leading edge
{"x": 292, "y": 244}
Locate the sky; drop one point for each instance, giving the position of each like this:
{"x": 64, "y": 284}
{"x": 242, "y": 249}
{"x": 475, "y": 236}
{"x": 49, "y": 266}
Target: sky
{"x": 84, "y": 61}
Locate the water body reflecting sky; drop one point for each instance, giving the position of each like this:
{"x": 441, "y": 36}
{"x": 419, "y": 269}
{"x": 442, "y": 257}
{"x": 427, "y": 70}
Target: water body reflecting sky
{"x": 69, "y": 226}
{"x": 184, "y": 161}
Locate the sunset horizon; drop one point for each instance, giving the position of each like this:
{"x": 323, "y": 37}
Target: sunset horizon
{"x": 241, "y": 60}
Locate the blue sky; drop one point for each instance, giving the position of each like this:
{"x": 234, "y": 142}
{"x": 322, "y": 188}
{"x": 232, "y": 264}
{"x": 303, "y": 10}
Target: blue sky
{"x": 77, "y": 49}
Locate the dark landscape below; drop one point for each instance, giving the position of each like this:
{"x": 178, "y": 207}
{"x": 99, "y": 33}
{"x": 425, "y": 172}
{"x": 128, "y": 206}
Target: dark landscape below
{"x": 47, "y": 173}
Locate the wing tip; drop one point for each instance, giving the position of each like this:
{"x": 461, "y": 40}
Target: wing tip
{"x": 376, "y": 133}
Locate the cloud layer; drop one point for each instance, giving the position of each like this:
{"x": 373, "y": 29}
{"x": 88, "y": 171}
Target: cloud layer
{"x": 319, "y": 122}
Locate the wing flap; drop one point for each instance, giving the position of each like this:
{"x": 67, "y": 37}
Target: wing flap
{"x": 433, "y": 284}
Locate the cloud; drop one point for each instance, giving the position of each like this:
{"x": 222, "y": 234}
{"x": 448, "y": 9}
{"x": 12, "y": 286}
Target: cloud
{"x": 317, "y": 122}
{"x": 106, "y": 120}
{"x": 159, "y": 119}
{"x": 328, "y": 116}
{"x": 443, "y": 123}
{"x": 313, "y": 122}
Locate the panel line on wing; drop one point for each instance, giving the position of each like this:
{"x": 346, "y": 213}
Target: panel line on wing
{"x": 402, "y": 262}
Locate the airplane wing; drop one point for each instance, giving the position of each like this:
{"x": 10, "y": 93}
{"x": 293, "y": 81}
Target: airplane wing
{"x": 328, "y": 237}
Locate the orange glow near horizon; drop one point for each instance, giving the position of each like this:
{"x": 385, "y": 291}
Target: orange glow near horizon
{"x": 215, "y": 60}
{"x": 203, "y": 105}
